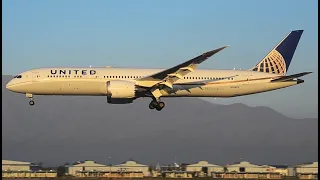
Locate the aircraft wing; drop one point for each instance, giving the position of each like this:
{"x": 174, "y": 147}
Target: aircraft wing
{"x": 169, "y": 76}
{"x": 291, "y": 77}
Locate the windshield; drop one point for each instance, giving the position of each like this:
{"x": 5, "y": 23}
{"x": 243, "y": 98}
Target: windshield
{"x": 18, "y": 76}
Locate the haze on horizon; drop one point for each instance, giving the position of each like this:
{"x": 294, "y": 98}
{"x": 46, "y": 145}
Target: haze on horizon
{"x": 162, "y": 34}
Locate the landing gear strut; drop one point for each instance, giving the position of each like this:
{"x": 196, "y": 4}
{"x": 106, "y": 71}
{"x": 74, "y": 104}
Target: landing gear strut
{"x": 31, "y": 102}
{"x": 157, "y": 105}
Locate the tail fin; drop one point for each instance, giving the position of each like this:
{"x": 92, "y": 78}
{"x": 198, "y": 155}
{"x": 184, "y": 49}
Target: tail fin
{"x": 278, "y": 59}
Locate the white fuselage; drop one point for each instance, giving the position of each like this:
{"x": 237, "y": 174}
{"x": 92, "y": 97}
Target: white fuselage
{"x": 92, "y": 82}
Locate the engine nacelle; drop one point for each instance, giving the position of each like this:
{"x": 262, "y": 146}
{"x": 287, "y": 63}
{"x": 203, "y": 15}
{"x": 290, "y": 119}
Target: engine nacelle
{"x": 120, "y": 92}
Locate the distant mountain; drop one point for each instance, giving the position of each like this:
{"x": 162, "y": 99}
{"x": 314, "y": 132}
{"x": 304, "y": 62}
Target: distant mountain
{"x": 61, "y": 129}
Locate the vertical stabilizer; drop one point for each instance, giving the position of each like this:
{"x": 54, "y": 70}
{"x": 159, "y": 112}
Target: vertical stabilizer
{"x": 279, "y": 58}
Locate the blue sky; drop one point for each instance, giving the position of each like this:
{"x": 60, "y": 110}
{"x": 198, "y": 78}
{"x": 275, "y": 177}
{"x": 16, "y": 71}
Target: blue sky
{"x": 162, "y": 34}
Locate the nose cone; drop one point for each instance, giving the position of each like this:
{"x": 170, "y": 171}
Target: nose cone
{"x": 9, "y": 86}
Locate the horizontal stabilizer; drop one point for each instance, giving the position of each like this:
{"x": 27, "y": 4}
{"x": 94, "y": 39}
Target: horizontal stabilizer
{"x": 291, "y": 77}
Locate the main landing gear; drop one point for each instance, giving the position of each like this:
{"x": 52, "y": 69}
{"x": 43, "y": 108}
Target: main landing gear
{"x": 157, "y": 105}
{"x": 31, "y": 102}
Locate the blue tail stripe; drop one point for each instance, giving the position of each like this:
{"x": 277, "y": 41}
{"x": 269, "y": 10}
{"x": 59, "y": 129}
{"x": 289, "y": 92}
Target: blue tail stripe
{"x": 288, "y": 46}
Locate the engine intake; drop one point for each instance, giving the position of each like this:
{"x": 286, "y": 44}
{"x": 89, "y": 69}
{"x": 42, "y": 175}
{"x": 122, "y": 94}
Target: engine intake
{"x": 120, "y": 92}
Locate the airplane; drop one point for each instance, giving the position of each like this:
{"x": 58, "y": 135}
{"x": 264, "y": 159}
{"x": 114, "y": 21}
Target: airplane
{"x": 124, "y": 85}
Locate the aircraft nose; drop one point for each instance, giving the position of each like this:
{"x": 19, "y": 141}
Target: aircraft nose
{"x": 9, "y": 86}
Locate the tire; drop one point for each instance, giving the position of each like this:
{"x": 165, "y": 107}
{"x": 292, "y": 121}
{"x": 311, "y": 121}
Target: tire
{"x": 161, "y": 105}
{"x": 151, "y": 106}
{"x": 31, "y": 103}
{"x": 158, "y": 108}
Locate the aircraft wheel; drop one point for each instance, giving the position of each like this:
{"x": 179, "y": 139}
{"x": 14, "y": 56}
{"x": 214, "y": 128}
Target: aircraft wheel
{"x": 160, "y": 106}
{"x": 31, "y": 103}
{"x": 151, "y": 106}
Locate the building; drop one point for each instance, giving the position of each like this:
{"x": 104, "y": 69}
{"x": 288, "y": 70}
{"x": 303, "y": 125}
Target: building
{"x": 19, "y": 169}
{"x": 90, "y": 168}
{"x": 29, "y": 174}
{"x": 307, "y": 170}
{"x": 245, "y": 166}
{"x": 246, "y": 170}
{"x": 87, "y": 165}
{"x": 246, "y": 175}
{"x": 283, "y": 170}
{"x": 16, "y": 165}
{"x": 132, "y": 166}
{"x": 177, "y": 174}
{"x": 205, "y": 167}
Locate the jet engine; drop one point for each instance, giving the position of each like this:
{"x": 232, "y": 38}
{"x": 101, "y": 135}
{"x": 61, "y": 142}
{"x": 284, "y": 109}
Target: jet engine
{"x": 120, "y": 92}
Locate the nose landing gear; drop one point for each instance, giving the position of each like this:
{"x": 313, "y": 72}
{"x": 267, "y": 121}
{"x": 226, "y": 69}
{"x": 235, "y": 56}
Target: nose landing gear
{"x": 31, "y": 102}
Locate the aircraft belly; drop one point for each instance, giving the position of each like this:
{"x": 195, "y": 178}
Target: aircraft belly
{"x": 226, "y": 90}
{"x": 67, "y": 88}
{"x": 200, "y": 91}
{"x": 263, "y": 87}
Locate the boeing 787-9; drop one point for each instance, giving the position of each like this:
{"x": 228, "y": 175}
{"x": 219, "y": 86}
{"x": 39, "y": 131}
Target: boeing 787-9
{"x": 124, "y": 85}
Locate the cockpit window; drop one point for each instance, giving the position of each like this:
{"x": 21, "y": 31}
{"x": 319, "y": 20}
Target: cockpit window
{"x": 18, "y": 76}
